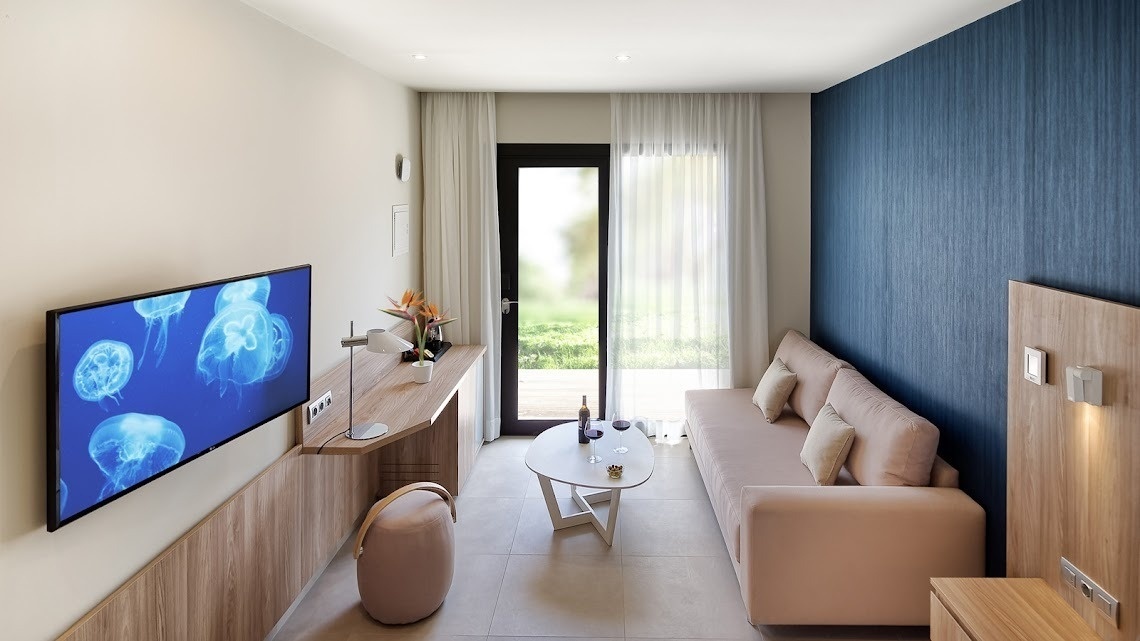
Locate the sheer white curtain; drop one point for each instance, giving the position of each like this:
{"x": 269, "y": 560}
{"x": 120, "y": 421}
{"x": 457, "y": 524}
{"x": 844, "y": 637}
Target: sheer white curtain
{"x": 461, "y": 227}
{"x": 688, "y": 283}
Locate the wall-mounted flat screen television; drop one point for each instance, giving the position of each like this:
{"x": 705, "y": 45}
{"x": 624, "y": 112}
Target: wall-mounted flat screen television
{"x": 137, "y": 387}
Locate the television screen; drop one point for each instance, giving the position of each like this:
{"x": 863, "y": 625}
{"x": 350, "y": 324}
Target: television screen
{"x": 139, "y": 386}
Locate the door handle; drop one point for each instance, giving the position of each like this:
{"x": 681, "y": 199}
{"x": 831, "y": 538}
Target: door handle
{"x": 506, "y": 305}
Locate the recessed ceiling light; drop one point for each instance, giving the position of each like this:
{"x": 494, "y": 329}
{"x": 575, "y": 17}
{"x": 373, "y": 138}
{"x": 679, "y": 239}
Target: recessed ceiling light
{"x": 419, "y": 57}
{"x": 624, "y": 57}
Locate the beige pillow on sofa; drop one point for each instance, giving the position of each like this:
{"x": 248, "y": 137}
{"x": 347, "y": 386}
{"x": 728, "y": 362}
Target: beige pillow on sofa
{"x": 828, "y": 443}
{"x": 774, "y": 389}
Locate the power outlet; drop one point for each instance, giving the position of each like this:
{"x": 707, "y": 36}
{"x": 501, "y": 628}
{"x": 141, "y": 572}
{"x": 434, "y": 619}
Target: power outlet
{"x": 319, "y": 406}
{"x": 1105, "y": 603}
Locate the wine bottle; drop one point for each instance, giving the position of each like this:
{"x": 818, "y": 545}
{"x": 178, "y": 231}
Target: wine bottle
{"x": 583, "y": 421}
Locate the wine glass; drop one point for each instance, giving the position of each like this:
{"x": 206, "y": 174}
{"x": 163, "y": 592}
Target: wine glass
{"x": 621, "y": 426}
{"x": 594, "y": 432}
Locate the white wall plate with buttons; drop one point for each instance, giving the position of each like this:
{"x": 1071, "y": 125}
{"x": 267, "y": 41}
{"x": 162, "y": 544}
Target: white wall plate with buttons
{"x": 1033, "y": 366}
{"x": 401, "y": 230}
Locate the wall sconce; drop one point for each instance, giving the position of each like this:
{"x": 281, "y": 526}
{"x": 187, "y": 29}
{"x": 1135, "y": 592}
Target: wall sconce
{"x": 1084, "y": 385}
{"x": 403, "y": 168}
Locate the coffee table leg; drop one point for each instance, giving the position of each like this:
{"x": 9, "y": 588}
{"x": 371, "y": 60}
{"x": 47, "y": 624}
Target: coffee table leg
{"x": 611, "y": 525}
{"x": 556, "y": 518}
{"x": 587, "y": 515}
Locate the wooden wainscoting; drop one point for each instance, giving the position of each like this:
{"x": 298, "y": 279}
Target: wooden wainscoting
{"x": 1074, "y": 469}
{"x": 234, "y": 575}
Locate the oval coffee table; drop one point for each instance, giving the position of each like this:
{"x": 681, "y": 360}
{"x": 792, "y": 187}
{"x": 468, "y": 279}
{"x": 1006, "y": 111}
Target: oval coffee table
{"x": 556, "y": 455}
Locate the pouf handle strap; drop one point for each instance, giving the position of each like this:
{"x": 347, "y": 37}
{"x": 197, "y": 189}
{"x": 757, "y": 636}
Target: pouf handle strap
{"x": 383, "y": 503}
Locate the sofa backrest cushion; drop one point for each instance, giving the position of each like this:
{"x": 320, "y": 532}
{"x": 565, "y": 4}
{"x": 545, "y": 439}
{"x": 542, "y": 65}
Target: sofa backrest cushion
{"x": 893, "y": 445}
{"x": 943, "y": 474}
{"x": 815, "y": 371}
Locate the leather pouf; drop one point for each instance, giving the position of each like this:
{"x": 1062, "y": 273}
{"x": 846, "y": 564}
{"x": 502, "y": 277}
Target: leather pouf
{"x": 405, "y": 554}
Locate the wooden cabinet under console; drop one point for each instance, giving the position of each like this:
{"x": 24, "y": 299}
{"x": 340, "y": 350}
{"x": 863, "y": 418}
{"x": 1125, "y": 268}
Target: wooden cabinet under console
{"x": 967, "y": 609}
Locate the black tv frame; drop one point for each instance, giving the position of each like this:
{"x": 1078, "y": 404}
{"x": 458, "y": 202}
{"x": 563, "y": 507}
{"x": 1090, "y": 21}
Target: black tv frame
{"x": 53, "y": 379}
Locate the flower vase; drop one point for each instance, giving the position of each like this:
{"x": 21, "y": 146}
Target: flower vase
{"x": 421, "y": 372}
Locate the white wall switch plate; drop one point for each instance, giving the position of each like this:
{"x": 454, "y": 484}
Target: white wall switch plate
{"x": 1033, "y": 366}
{"x": 401, "y": 230}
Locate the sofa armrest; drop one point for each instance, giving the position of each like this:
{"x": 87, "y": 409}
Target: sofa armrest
{"x": 853, "y": 555}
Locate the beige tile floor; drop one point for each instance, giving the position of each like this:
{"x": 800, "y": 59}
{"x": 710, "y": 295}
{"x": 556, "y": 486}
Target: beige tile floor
{"x": 667, "y": 576}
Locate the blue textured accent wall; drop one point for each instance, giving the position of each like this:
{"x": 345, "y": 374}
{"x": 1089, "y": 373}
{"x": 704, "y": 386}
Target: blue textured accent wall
{"x": 1009, "y": 149}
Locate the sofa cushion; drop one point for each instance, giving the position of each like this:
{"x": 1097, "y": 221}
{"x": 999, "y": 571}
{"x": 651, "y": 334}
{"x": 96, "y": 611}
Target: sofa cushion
{"x": 815, "y": 371}
{"x": 774, "y": 389}
{"x": 827, "y": 445}
{"x": 943, "y": 474}
{"x": 733, "y": 451}
{"x": 893, "y": 445}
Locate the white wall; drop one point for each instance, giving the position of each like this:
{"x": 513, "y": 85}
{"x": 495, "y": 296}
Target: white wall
{"x": 552, "y": 117}
{"x": 786, "y": 127}
{"x": 146, "y": 145}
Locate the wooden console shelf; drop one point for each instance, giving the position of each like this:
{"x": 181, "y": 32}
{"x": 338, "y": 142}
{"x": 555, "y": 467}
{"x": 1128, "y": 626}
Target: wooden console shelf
{"x": 1002, "y": 610}
{"x": 433, "y": 428}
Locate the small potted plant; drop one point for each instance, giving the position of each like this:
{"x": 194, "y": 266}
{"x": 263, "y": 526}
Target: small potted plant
{"x": 425, "y": 318}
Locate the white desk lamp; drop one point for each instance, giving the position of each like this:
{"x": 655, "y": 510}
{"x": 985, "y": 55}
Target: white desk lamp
{"x": 381, "y": 342}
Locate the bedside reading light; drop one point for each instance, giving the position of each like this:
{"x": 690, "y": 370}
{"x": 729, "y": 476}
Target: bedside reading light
{"x": 1084, "y": 385}
{"x": 378, "y": 341}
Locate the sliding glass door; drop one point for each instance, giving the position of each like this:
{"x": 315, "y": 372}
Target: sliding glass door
{"x": 553, "y": 224}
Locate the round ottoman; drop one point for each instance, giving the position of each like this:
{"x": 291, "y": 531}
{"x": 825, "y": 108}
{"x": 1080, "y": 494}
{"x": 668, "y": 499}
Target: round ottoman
{"x": 405, "y": 553}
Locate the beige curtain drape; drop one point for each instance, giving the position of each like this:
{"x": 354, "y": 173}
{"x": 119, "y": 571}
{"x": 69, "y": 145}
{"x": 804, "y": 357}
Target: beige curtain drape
{"x": 461, "y": 227}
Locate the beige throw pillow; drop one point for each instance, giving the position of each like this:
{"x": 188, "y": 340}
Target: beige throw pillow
{"x": 828, "y": 443}
{"x": 774, "y": 389}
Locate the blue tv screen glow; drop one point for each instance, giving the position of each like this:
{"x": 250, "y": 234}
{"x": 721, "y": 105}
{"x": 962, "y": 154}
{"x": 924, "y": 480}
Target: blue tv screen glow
{"x": 140, "y": 386}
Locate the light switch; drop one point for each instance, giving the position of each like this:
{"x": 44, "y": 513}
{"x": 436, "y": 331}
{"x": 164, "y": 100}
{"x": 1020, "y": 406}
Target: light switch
{"x": 1033, "y": 366}
{"x": 1106, "y": 604}
{"x": 1068, "y": 577}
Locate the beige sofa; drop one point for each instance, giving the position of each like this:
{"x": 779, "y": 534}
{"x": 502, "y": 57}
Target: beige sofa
{"x": 847, "y": 554}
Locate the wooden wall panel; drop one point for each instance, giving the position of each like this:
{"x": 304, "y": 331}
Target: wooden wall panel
{"x": 427, "y": 455}
{"x": 234, "y": 575}
{"x": 1074, "y": 469}
{"x": 470, "y": 414}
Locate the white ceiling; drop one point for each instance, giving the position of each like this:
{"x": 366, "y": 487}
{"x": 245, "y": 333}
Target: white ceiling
{"x": 676, "y": 45}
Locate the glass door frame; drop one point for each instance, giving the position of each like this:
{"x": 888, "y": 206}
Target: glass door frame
{"x": 511, "y": 158}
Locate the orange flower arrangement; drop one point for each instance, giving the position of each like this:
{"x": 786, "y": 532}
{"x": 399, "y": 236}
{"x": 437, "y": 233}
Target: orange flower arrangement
{"x": 423, "y": 315}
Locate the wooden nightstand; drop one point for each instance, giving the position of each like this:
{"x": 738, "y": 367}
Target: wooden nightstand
{"x": 1002, "y": 610}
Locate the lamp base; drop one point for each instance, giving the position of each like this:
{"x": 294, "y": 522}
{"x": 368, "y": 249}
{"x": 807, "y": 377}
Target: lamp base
{"x": 367, "y": 431}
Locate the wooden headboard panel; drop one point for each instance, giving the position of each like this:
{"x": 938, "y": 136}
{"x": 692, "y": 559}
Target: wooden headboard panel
{"x": 1074, "y": 469}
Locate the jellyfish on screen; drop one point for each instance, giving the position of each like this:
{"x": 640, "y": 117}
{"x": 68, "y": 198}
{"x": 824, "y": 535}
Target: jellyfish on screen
{"x": 103, "y": 371}
{"x": 157, "y": 311}
{"x": 251, "y": 289}
{"x": 129, "y": 448}
{"x": 244, "y": 344}
{"x": 62, "y": 495}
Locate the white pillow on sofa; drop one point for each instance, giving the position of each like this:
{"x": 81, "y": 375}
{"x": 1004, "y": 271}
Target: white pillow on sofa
{"x": 827, "y": 446}
{"x": 774, "y": 389}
